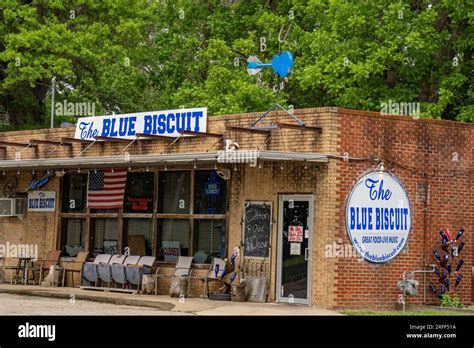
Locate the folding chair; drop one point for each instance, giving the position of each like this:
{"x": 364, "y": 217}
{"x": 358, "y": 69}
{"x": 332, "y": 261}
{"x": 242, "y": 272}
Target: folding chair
{"x": 215, "y": 273}
{"x": 105, "y": 269}
{"x": 118, "y": 271}
{"x": 134, "y": 273}
{"x": 90, "y": 270}
{"x": 182, "y": 269}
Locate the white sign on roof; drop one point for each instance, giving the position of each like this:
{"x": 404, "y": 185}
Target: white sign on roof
{"x": 126, "y": 126}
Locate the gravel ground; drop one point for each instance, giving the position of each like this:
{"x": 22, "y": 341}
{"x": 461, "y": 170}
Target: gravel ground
{"x": 32, "y": 305}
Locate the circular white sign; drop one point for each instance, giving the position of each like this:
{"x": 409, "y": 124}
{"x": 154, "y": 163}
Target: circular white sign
{"x": 378, "y": 216}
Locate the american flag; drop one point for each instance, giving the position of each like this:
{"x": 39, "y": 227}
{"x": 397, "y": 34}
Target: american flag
{"x": 106, "y": 188}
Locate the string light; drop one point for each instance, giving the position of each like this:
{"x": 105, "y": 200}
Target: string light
{"x": 18, "y": 172}
{"x": 166, "y": 167}
{"x": 78, "y": 170}
{"x": 33, "y": 172}
{"x": 147, "y": 169}
{"x": 260, "y": 165}
{"x": 95, "y": 170}
{"x": 235, "y": 168}
{"x": 3, "y": 173}
{"x": 63, "y": 171}
{"x": 112, "y": 170}
{"x": 194, "y": 164}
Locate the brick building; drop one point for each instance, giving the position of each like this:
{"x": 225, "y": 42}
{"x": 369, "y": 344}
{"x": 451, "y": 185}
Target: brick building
{"x": 315, "y": 167}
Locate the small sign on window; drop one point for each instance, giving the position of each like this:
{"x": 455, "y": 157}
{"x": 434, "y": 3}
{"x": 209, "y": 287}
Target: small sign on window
{"x": 295, "y": 248}
{"x": 295, "y": 234}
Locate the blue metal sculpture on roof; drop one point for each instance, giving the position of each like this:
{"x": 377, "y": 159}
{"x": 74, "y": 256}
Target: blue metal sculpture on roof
{"x": 282, "y": 64}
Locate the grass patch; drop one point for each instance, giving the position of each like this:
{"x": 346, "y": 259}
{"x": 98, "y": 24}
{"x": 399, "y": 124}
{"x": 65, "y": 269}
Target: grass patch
{"x": 400, "y": 313}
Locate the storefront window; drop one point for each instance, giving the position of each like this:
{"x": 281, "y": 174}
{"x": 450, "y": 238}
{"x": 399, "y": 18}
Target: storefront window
{"x": 209, "y": 240}
{"x": 74, "y": 192}
{"x": 139, "y": 236}
{"x": 210, "y": 193}
{"x": 173, "y": 192}
{"x": 72, "y": 236}
{"x": 173, "y": 233}
{"x": 139, "y": 193}
{"x": 104, "y": 236}
{"x": 180, "y": 226}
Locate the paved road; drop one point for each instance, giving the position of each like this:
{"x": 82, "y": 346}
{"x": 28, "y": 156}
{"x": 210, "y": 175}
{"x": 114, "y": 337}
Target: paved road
{"x": 33, "y": 305}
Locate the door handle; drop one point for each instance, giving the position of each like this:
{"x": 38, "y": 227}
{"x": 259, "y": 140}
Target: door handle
{"x": 306, "y": 254}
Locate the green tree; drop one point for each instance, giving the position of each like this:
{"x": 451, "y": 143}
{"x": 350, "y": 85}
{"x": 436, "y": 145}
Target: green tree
{"x": 128, "y": 56}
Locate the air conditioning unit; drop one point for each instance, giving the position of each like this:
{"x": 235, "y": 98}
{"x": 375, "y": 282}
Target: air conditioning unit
{"x": 12, "y": 207}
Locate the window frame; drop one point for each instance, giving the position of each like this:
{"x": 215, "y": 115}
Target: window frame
{"x": 120, "y": 215}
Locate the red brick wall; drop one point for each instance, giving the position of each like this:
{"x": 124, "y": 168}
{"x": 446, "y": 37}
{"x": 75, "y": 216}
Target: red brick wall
{"x": 415, "y": 151}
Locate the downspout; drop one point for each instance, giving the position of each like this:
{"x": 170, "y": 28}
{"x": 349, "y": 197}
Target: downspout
{"x": 425, "y": 207}
{"x": 425, "y": 226}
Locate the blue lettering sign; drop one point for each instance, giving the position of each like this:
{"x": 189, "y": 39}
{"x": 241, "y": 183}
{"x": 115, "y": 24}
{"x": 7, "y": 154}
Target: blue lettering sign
{"x": 161, "y": 124}
{"x": 147, "y": 124}
{"x": 196, "y": 116}
{"x": 379, "y": 193}
{"x": 378, "y": 216}
{"x": 87, "y": 131}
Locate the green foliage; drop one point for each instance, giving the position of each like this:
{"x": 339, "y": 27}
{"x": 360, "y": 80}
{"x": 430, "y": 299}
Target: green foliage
{"x": 453, "y": 302}
{"x": 128, "y": 56}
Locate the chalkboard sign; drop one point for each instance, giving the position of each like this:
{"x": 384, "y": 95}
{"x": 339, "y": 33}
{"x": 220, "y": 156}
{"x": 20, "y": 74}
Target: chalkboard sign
{"x": 257, "y": 227}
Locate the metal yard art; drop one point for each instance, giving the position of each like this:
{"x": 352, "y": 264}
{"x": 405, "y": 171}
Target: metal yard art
{"x": 450, "y": 262}
{"x": 282, "y": 64}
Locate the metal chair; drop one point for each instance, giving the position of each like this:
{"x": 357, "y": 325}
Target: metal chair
{"x": 119, "y": 275}
{"x": 182, "y": 269}
{"x": 105, "y": 269}
{"x": 43, "y": 265}
{"x": 90, "y": 270}
{"x": 215, "y": 273}
{"x": 134, "y": 273}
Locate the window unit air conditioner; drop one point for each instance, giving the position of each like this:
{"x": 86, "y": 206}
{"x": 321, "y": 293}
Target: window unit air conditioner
{"x": 12, "y": 207}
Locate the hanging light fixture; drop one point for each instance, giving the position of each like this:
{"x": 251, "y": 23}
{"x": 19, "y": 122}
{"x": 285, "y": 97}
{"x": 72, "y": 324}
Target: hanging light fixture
{"x": 147, "y": 169}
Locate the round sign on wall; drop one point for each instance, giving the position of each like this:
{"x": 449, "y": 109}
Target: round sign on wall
{"x": 378, "y": 216}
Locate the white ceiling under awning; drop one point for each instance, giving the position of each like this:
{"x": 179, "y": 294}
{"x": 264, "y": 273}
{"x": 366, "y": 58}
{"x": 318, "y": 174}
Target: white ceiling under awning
{"x": 153, "y": 160}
